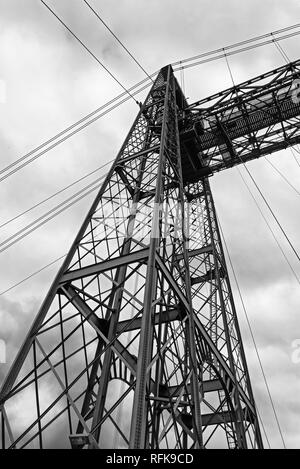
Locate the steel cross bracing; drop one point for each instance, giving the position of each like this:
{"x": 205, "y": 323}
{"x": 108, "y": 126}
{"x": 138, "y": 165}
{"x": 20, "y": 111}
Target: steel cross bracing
{"x": 143, "y": 297}
{"x": 247, "y": 121}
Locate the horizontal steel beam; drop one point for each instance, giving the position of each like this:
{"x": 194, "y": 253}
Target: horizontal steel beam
{"x": 110, "y": 264}
{"x": 165, "y": 316}
{"x": 154, "y": 148}
{"x": 217, "y": 418}
{"x": 196, "y": 252}
{"x": 174, "y": 391}
{"x": 245, "y": 84}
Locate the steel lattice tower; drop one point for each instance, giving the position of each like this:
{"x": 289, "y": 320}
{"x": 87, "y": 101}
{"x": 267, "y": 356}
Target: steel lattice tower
{"x": 143, "y": 296}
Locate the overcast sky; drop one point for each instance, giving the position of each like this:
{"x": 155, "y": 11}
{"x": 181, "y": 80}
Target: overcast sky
{"x": 49, "y": 81}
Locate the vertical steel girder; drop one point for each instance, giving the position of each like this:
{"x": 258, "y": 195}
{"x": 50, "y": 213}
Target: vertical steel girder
{"x": 138, "y": 334}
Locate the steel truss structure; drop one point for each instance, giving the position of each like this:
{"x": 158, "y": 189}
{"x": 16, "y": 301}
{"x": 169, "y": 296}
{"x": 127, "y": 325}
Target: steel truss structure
{"x": 138, "y": 334}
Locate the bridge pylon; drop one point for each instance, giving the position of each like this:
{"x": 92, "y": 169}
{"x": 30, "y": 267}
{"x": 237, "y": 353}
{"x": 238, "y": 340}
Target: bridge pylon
{"x": 138, "y": 335}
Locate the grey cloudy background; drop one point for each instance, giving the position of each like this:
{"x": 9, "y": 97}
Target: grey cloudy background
{"x": 51, "y": 82}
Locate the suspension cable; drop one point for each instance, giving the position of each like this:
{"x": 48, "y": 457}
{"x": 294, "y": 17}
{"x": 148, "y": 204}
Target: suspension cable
{"x": 182, "y": 80}
{"x": 282, "y": 175}
{"x": 89, "y": 51}
{"x": 230, "y": 53}
{"x": 270, "y": 209}
{"x": 54, "y": 195}
{"x": 287, "y": 59}
{"x": 117, "y": 39}
{"x": 53, "y": 212}
{"x": 238, "y": 51}
{"x": 269, "y": 226}
{"x": 13, "y": 239}
{"x": 253, "y": 340}
{"x": 280, "y": 49}
{"x": 261, "y": 193}
{"x": 245, "y": 312}
{"x": 295, "y": 158}
{"x": 140, "y": 83}
{"x": 238, "y": 44}
{"x": 263, "y": 427}
{"x": 32, "y": 274}
{"x": 80, "y": 121}
{"x": 229, "y": 69}
{"x": 72, "y": 199}
{"x": 27, "y": 155}
{"x": 61, "y": 140}
{"x": 296, "y": 150}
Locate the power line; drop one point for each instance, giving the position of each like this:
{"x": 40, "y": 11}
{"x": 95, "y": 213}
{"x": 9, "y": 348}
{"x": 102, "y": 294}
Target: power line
{"x": 89, "y": 51}
{"x": 117, "y": 39}
{"x": 253, "y": 340}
